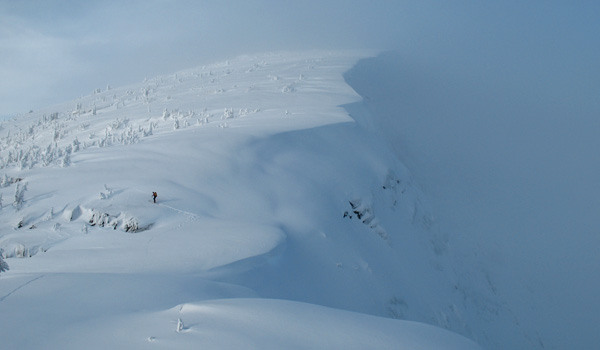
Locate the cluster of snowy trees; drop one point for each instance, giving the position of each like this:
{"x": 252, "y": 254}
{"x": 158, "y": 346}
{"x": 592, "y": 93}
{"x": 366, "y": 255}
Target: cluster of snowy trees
{"x": 34, "y": 155}
{"x": 18, "y": 203}
{"x": 229, "y": 113}
{"x": 127, "y": 223}
{"x": 126, "y": 137}
{"x": 22, "y": 149}
{"x": 16, "y": 151}
{"x": 19, "y": 197}
{"x": 185, "y": 119}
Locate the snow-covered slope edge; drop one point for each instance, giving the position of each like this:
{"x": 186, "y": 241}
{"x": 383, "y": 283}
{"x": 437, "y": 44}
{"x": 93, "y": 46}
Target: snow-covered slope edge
{"x": 268, "y": 190}
{"x": 407, "y": 104}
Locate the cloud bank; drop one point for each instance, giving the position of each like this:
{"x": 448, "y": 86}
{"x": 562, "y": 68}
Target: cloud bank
{"x": 51, "y": 51}
{"x": 55, "y": 50}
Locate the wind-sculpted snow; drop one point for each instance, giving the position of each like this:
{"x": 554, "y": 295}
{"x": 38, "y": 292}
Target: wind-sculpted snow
{"x": 268, "y": 188}
{"x": 268, "y": 324}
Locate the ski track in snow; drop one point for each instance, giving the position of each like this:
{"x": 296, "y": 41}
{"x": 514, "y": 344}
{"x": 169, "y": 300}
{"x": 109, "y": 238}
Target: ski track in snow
{"x": 191, "y": 216}
{"x": 19, "y": 287}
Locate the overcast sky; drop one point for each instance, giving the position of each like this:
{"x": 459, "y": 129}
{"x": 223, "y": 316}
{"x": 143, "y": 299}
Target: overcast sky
{"x": 56, "y": 50}
{"x": 52, "y": 50}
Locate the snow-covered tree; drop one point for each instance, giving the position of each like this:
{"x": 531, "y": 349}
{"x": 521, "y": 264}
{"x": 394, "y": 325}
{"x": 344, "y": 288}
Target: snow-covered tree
{"x": 50, "y": 215}
{"x": 20, "y": 195}
{"x": 227, "y": 113}
{"x": 107, "y": 193}
{"x": 66, "y": 160}
{"x": 3, "y": 264}
{"x": 5, "y": 181}
{"x": 48, "y": 155}
{"x": 149, "y": 132}
{"x": 76, "y": 145}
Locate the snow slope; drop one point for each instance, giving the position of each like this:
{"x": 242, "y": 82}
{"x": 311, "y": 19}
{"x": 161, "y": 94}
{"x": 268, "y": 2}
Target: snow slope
{"x": 509, "y": 170}
{"x": 283, "y": 219}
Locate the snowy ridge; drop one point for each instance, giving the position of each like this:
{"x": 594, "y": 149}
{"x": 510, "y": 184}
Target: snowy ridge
{"x": 278, "y": 215}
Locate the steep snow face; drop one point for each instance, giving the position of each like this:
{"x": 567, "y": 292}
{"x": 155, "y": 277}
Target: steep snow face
{"x": 510, "y": 178}
{"x": 270, "y": 186}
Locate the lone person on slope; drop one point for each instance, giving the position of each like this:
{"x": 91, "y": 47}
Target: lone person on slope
{"x": 154, "y": 195}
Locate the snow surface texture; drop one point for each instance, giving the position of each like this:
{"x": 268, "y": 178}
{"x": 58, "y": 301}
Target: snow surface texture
{"x": 283, "y": 220}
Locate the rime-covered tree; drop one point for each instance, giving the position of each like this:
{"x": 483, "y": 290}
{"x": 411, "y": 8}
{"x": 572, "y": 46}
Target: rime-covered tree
{"x": 76, "y": 145}
{"x": 20, "y": 195}
{"x": 3, "y": 264}
{"x": 149, "y": 132}
{"x": 5, "y": 181}
{"x": 227, "y": 113}
{"x": 66, "y": 160}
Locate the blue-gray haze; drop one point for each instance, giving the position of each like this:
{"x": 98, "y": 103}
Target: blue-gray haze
{"x": 497, "y": 106}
